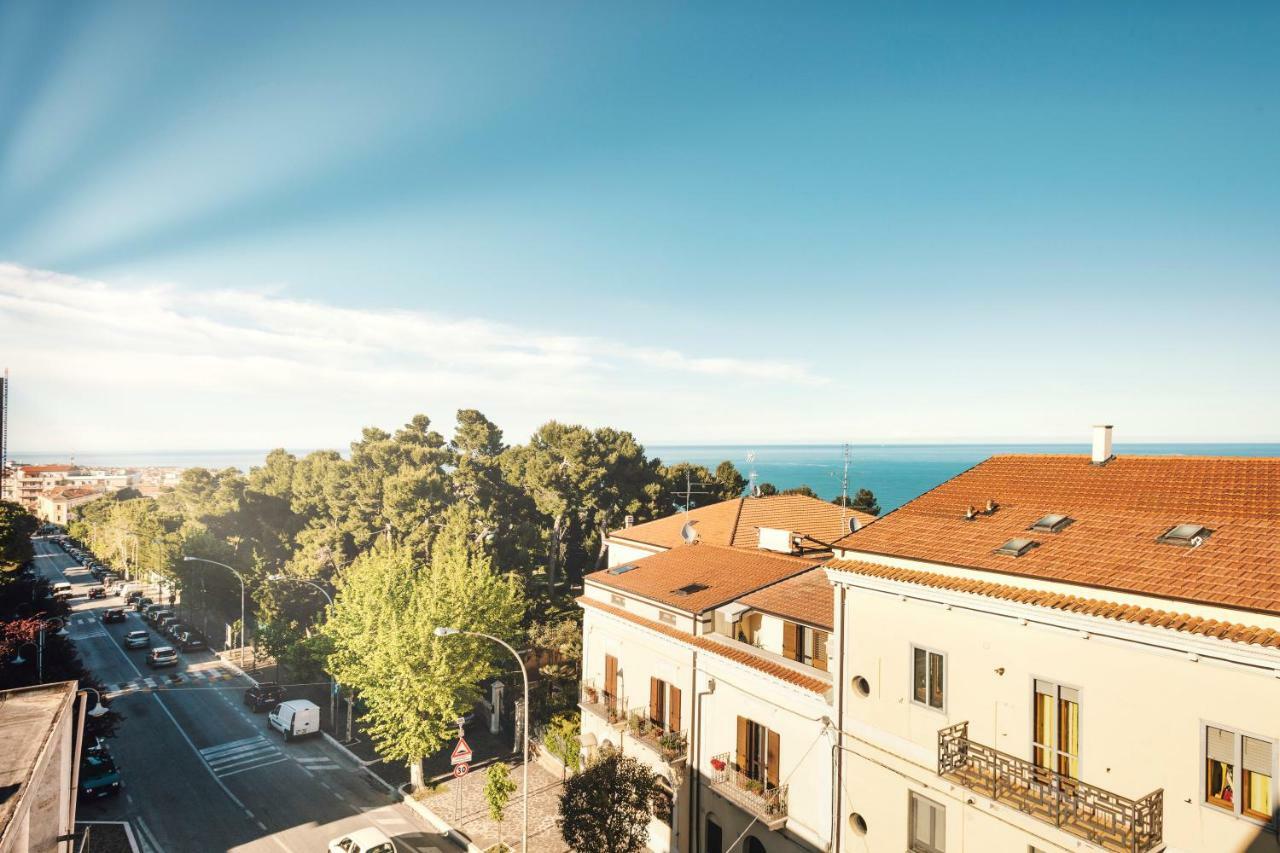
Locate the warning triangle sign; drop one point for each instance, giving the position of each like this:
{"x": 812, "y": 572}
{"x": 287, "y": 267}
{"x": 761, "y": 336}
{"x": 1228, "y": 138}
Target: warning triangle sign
{"x": 461, "y": 752}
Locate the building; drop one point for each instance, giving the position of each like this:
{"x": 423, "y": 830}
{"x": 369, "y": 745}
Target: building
{"x": 1063, "y": 653}
{"x": 55, "y": 505}
{"x": 26, "y": 483}
{"x": 38, "y": 727}
{"x": 705, "y": 656}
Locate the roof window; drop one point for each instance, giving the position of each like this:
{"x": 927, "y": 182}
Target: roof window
{"x": 621, "y": 570}
{"x": 690, "y": 589}
{"x": 1187, "y": 535}
{"x": 1017, "y": 547}
{"x": 1052, "y": 523}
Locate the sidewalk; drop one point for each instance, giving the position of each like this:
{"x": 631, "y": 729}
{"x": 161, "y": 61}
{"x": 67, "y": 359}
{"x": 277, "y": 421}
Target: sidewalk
{"x": 472, "y": 815}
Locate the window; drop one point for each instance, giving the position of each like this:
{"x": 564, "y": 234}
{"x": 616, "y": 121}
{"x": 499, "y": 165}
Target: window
{"x": 617, "y": 601}
{"x": 758, "y": 750}
{"x": 664, "y": 705}
{"x": 1052, "y": 523}
{"x": 803, "y": 644}
{"x": 927, "y": 831}
{"x": 1186, "y": 535}
{"x": 664, "y": 616}
{"x": 663, "y": 801}
{"x": 754, "y": 845}
{"x": 1237, "y": 772}
{"x": 1055, "y": 728}
{"x": 1017, "y": 547}
{"x": 715, "y": 837}
{"x": 928, "y": 678}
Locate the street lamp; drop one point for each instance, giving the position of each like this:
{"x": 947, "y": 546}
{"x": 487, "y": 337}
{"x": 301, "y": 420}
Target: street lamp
{"x": 240, "y": 578}
{"x": 100, "y": 708}
{"x": 524, "y": 770}
{"x": 333, "y": 684}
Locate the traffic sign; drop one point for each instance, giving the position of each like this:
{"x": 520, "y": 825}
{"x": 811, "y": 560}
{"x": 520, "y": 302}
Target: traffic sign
{"x": 460, "y": 770}
{"x": 461, "y": 752}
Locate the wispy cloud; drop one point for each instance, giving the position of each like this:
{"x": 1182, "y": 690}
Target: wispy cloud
{"x": 165, "y": 366}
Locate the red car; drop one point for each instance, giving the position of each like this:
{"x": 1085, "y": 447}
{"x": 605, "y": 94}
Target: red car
{"x": 97, "y": 592}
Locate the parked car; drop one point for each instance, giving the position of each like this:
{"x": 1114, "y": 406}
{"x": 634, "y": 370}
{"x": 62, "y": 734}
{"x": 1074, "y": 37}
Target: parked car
{"x": 61, "y": 589}
{"x": 114, "y": 614}
{"x": 163, "y": 622}
{"x": 264, "y": 696}
{"x": 96, "y": 592}
{"x": 367, "y": 840}
{"x": 132, "y": 597}
{"x": 173, "y": 629}
{"x": 142, "y": 604}
{"x": 162, "y": 656}
{"x": 98, "y": 774}
{"x": 137, "y": 640}
{"x": 295, "y": 718}
{"x": 155, "y": 614}
{"x": 190, "y": 641}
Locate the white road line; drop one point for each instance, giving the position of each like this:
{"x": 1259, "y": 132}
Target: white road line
{"x": 231, "y": 745}
{"x": 254, "y": 767}
{"x": 148, "y": 839}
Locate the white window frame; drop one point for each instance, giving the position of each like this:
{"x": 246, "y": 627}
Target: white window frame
{"x": 911, "y": 677}
{"x": 914, "y": 844}
{"x": 1237, "y": 779}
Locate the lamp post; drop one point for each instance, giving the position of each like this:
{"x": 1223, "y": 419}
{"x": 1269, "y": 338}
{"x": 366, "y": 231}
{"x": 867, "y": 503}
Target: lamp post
{"x": 240, "y": 578}
{"x": 99, "y": 709}
{"x": 333, "y": 685}
{"x": 524, "y": 769}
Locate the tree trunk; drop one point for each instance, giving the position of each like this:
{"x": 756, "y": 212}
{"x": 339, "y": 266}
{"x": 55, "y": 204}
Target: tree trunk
{"x": 553, "y": 553}
{"x": 416, "y": 780}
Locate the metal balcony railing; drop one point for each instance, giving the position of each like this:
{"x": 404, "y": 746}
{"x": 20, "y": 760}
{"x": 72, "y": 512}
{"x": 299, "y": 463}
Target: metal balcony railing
{"x": 600, "y": 702}
{"x": 1096, "y": 815}
{"x": 765, "y": 801}
{"x": 669, "y": 744}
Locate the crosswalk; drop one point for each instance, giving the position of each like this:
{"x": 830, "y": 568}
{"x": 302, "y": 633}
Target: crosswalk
{"x": 318, "y": 762}
{"x": 191, "y": 678}
{"x": 237, "y": 756}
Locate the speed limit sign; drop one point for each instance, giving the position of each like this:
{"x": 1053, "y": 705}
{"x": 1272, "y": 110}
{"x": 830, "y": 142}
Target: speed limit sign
{"x": 460, "y": 770}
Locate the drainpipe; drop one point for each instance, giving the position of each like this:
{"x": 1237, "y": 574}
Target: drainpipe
{"x": 837, "y": 767}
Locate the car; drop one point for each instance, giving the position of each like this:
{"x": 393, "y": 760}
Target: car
{"x": 96, "y": 592}
{"x": 164, "y": 623}
{"x": 190, "y": 641}
{"x": 264, "y": 696}
{"x": 162, "y": 656}
{"x": 98, "y": 774}
{"x": 295, "y": 718}
{"x": 155, "y": 617}
{"x": 366, "y": 840}
{"x": 137, "y": 640}
{"x": 173, "y": 629}
{"x": 113, "y": 614}
{"x": 133, "y": 596}
{"x": 142, "y": 604}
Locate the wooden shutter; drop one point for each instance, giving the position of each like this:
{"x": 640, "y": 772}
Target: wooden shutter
{"x": 741, "y": 757}
{"x": 820, "y": 650}
{"x": 771, "y": 758}
{"x": 789, "y": 631}
{"x": 611, "y": 677}
{"x": 655, "y": 701}
{"x": 673, "y": 710}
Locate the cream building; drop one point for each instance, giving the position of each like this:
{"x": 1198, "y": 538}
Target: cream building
{"x": 55, "y": 505}
{"x": 1059, "y": 653}
{"x": 708, "y": 661}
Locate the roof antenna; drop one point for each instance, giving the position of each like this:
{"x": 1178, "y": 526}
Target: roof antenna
{"x": 753, "y": 490}
{"x": 844, "y": 490}
{"x": 688, "y": 492}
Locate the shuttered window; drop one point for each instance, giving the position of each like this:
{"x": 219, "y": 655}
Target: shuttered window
{"x": 1238, "y": 773}
{"x": 927, "y": 831}
{"x": 928, "y": 678}
{"x": 664, "y": 705}
{"x": 759, "y": 752}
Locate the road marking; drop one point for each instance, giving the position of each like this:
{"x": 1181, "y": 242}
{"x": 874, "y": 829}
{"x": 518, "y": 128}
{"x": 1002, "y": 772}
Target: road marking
{"x": 237, "y": 756}
{"x": 254, "y": 767}
{"x": 148, "y": 839}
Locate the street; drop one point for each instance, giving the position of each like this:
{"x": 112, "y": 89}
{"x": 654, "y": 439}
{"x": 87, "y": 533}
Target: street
{"x": 203, "y": 773}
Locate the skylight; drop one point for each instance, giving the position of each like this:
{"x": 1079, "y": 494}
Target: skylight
{"x": 1052, "y": 523}
{"x": 1188, "y": 535}
{"x": 689, "y": 589}
{"x": 1017, "y": 547}
{"x": 621, "y": 570}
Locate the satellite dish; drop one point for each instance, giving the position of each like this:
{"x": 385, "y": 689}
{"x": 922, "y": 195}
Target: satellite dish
{"x": 853, "y": 524}
{"x": 689, "y": 533}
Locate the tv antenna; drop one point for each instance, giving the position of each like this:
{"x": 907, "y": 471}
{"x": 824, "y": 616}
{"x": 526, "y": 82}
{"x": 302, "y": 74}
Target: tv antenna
{"x": 752, "y": 476}
{"x": 689, "y": 491}
{"x": 844, "y": 490}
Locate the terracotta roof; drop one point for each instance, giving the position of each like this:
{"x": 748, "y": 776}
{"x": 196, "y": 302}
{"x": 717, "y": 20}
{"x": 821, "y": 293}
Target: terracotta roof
{"x": 735, "y": 522}
{"x": 723, "y": 573}
{"x": 724, "y": 650}
{"x": 1233, "y": 631}
{"x": 46, "y": 469}
{"x": 1120, "y": 509}
{"x": 804, "y": 598}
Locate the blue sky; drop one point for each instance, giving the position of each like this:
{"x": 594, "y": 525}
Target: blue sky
{"x": 731, "y": 223}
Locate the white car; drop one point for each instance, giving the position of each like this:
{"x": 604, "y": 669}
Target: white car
{"x": 367, "y": 840}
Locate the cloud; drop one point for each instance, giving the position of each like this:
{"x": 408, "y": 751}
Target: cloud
{"x": 159, "y": 366}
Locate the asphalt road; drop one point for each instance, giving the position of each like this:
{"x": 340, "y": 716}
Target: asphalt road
{"x": 202, "y": 773}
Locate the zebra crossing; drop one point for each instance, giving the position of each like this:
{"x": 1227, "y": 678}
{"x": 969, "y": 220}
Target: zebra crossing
{"x": 317, "y": 762}
{"x": 237, "y": 756}
{"x": 170, "y": 680}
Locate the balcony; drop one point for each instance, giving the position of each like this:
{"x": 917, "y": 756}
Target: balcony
{"x": 767, "y": 803}
{"x": 1099, "y": 817}
{"x": 670, "y": 746}
{"x": 600, "y": 702}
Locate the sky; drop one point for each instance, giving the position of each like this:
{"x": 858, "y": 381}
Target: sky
{"x": 240, "y": 225}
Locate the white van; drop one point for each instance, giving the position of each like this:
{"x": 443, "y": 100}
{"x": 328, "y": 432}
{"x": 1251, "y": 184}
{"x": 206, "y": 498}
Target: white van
{"x": 61, "y": 589}
{"x": 295, "y": 718}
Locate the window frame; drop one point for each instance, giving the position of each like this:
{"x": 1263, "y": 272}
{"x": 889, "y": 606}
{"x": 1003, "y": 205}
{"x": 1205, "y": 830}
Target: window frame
{"x": 916, "y": 845}
{"x": 1053, "y": 748}
{"x": 1237, "y": 809}
{"x": 911, "y": 673}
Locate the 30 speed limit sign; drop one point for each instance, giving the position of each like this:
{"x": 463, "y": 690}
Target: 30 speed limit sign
{"x": 460, "y": 770}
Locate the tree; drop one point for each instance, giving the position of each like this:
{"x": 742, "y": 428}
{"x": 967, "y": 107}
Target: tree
{"x": 606, "y": 807}
{"x": 562, "y": 638}
{"x": 560, "y": 737}
{"x": 765, "y": 490}
{"x": 729, "y": 481}
{"x": 414, "y": 684}
{"x": 498, "y": 788}
{"x": 16, "y": 529}
{"x": 800, "y": 490}
{"x": 863, "y": 501}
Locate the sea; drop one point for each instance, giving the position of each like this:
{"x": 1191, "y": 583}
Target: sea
{"x": 896, "y": 473}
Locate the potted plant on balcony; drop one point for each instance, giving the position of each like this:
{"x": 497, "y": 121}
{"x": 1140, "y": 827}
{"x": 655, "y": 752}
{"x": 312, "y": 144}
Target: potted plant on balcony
{"x": 753, "y": 786}
{"x": 592, "y": 694}
{"x": 638, "y": 725}
{"x": 672, "y": 745}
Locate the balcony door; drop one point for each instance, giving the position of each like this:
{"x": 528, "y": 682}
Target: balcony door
{"x": 611, "y": 682}
{"x": 758, "y": 750}
{"x": 1055, "y": 728}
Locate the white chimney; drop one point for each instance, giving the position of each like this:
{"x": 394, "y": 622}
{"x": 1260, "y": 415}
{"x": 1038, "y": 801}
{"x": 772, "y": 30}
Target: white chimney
{"x": 629, "y": 520}
{"x": 1101, "y": 443}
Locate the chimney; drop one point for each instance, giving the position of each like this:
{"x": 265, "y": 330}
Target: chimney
{"x": 1102, "y": 444}
{"x": 628, "y": 521}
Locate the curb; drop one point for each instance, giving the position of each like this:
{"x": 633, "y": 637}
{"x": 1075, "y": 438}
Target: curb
{"x": 128, "y": 830}
{"x": 336, "y": 744}
{"x": 457, "y": 836}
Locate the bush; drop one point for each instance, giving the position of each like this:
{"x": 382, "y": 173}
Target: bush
{"x": 560, "y": 738}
